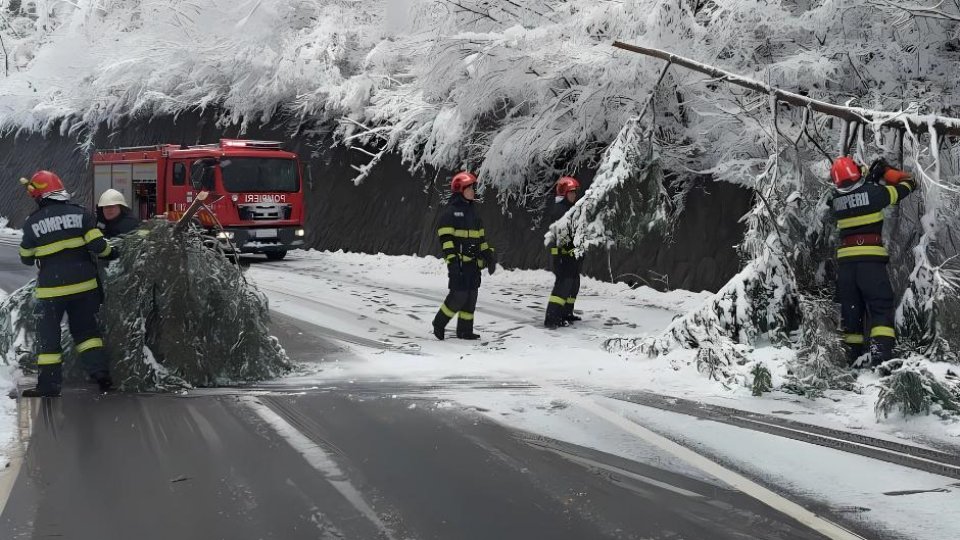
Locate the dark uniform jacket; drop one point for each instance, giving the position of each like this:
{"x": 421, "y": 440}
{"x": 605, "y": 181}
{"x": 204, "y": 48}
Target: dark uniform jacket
{"x": 859, "y": 216}
{"x": 464, "y": 243}
{"x": 62, "y": 239}
{"x": 124, "y": 224}
{"x": 564, "y": 260}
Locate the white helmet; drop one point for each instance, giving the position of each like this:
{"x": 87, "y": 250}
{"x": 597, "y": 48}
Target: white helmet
{"x": 112, "y": 197}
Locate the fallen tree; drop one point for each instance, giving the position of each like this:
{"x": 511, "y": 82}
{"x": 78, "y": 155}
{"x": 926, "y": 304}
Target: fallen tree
{"x": 177, "y": 313}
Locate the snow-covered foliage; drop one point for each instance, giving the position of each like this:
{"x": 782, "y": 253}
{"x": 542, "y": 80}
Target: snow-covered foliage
{"x": 913, "y": 388}
{"x": 523, "y": 91}
{"x": 177, "y": 313}
{"x": 625, "y": 201}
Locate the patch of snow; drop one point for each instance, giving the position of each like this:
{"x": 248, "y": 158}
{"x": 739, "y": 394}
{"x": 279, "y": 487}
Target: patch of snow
{"x": 8, "y": 408}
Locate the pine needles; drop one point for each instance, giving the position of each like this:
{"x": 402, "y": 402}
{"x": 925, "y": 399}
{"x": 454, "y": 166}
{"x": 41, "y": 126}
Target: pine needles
{"x": 177, "y": 314}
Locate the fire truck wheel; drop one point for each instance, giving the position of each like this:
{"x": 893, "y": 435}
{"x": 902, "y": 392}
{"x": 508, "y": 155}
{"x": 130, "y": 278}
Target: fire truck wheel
{"x": 276, "y": 255}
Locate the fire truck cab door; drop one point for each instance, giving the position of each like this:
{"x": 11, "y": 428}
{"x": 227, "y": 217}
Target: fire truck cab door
{"x": 179, "y": 188}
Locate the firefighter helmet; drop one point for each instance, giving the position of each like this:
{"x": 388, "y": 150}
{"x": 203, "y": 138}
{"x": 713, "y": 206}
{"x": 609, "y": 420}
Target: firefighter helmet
{"x": 845, "y": 172}
{"x": 462, "y": 181}
{"x": 42, "y": 184}
{"x": 112, "y": 197}
{"x": 566, "y": 184}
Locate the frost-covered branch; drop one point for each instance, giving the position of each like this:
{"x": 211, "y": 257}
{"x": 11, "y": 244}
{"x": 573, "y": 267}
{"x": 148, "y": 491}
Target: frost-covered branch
{"x": 942, "y": 124}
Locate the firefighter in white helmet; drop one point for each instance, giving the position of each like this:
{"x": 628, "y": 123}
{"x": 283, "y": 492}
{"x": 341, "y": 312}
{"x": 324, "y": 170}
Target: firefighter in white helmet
{"x": 113, "y": 215}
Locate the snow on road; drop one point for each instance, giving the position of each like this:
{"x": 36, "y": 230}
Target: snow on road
{"x": 8, "y": 412}
{"x": 384, "y": 306}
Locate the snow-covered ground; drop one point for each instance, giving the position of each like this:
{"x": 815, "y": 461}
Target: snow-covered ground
{"x": 390, "y": 301}
{"x": 8, "y": 408}
{"x": 393, "y": 300}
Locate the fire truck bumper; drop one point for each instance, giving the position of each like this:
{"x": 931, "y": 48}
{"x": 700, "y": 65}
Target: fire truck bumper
{"x": 265, "y": 240}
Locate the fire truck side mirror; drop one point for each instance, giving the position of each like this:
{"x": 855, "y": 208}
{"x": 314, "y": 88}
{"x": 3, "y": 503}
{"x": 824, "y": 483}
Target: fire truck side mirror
{"x": 202, "y": 174}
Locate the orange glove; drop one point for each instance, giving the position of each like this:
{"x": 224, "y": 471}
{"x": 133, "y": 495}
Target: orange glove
{"x": 894, "y": 176}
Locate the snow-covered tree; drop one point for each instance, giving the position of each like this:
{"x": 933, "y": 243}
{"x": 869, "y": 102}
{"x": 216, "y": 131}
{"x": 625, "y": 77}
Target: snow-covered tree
{"x": 523, "y": 91}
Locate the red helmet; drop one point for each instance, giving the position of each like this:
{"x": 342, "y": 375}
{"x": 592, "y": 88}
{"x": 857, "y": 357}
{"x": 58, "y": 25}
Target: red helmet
{"x": 42, "y": 183}
{"x": 462, "y": 181}
{"x": 566, "y": 184}
{"x": 845, "y": 171}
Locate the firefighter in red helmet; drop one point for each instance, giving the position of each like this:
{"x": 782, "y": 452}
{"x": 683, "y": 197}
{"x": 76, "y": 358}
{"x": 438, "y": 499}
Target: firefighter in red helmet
{"x": 62, "y": 239}
{"x": 863, "y": 285}
{"x": 466, "y": 252}
{"x": 566, "y": 265}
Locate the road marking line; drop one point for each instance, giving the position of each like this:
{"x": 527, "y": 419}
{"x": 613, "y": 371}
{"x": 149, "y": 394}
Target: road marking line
{"x": 319, "y": 459}
{"x": 738, "y": 481}
{"x": 622, "y": 472}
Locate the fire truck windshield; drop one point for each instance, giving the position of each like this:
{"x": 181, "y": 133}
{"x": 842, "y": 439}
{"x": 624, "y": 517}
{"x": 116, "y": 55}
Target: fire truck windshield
{"x": 246, "y": 175}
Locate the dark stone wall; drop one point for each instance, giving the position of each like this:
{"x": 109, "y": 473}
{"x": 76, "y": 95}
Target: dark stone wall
{"x": 394, "y": 212}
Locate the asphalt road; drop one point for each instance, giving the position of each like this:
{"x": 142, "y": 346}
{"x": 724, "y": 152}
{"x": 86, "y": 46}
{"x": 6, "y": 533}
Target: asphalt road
{"x": 330, "y": 463}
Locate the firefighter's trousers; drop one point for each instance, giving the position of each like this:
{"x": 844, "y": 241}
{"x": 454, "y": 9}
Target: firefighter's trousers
{"x": 461, "y": 304}
{"x": 560, "y": 305}
{"x": 81, "y": 310}
{"x": 867, "y": 308}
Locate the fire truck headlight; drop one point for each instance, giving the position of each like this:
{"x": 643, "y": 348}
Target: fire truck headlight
{"x": 301, "y": 232}
{"x": 225, "y": 235}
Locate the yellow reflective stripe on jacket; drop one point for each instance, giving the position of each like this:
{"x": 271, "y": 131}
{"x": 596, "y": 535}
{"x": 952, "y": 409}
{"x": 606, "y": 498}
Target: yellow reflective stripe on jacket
{"x": 468, "y": 233}
{"x": 860, "y": 221}
{"x": 484, "y": 246}
{"x": 66, "y": 290}
{"x": 450, "y": 258}
{"x": 448, "y": 244}
{"x": 27, "y": 252}
{"x": 49, "y": 359}
{"x": 92, "y": 235}
{"x": 56, "y": 247}
{"x": 883, "y": 331}
{"x": 443, "y": 231}
{"x": 106, "y": 251}
{"x": 894, "y": 194}
{"x": 92, "y": 343}
{"x": 862, "y": 251}
{"x": 853, "y": 339}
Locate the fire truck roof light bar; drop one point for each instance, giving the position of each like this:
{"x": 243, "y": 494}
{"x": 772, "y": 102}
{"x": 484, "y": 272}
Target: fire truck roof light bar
{"x": 266, "y": 145}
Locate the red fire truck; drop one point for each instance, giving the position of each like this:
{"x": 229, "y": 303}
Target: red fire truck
{"x": 256, "y": 188}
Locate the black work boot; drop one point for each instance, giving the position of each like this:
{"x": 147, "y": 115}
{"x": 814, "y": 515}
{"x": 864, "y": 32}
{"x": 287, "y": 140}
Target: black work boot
{"x": 468, "y": 335}
{"x": 571, "y": 318}
{"x": 438, "y": 331}
{"x": 881, "y": 350}
{"x": 104, "y": 382}
{"x": 49, "y": 381}
{"x": 553, "y": 324}
{"x": 854, "y": 352}
{"x": 39, "y": 391}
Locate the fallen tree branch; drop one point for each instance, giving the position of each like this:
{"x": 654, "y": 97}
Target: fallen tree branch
{"x": 943, "y": 125}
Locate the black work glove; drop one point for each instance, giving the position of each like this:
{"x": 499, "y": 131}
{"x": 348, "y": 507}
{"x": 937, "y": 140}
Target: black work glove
{"x": 877, "y": 168}
{"x": 114, "y": 254}
{"x": 492, "y": 266}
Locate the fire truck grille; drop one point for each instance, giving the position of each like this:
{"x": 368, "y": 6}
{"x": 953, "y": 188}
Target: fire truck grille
{"x": 265, "y": 212}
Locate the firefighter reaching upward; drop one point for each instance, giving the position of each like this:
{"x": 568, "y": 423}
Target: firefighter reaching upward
{"x": 863, "y": 286}
{"x": 566, "y": 265}
{"x": 62, "y": 239}
{"x": 466, "y": 252}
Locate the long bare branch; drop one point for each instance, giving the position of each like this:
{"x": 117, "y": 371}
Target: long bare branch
{"x": 943, "y": 125}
